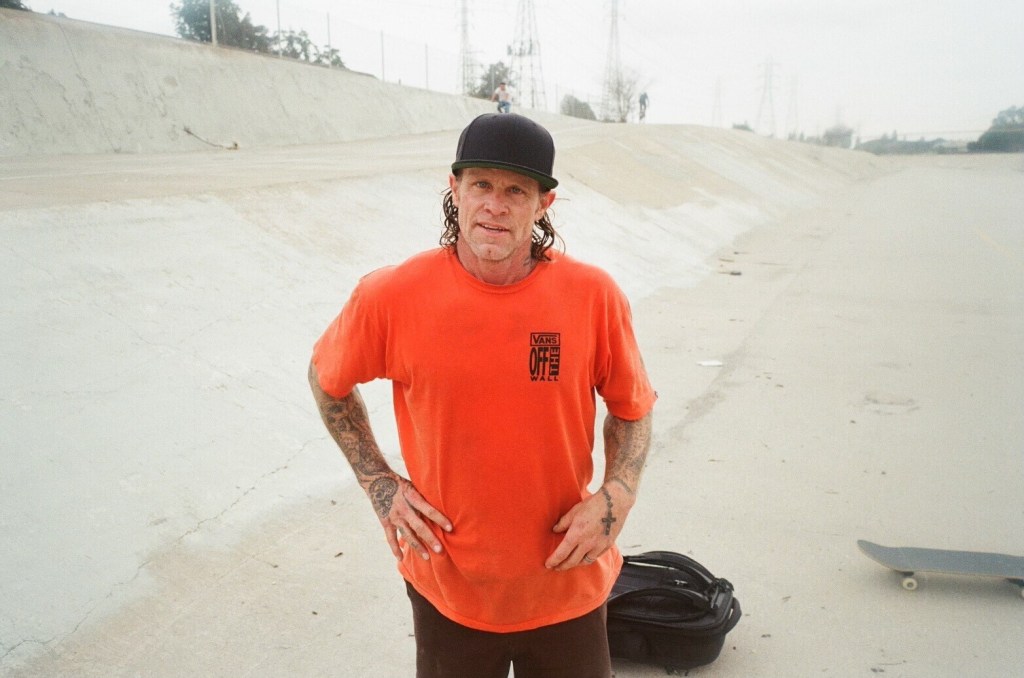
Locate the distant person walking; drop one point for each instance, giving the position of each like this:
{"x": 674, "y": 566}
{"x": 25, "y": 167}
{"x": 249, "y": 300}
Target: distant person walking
{"x": 643, "y": 105}
{"x": 503, "y": 97}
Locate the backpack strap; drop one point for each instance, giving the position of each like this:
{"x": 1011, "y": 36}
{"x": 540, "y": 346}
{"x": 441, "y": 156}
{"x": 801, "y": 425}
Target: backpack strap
{"x": 679, "y": 562}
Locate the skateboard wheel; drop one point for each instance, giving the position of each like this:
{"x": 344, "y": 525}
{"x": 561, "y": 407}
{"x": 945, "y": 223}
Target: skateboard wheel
{"x": 909, "y": 583}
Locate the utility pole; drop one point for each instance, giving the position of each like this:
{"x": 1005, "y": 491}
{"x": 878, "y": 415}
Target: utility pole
{"x": 467, "y": 72}
{"x": 278, "y": 41}
{"x": 610, "y": 103}
{"x": 213, "y": 22}
{"x": 526, "y": 66}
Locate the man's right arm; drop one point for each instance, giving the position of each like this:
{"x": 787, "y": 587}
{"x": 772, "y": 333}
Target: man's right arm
{"x": 349, "y": 424}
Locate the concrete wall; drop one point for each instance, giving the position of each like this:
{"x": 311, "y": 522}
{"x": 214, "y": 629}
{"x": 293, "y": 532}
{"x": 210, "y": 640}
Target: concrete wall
{"x": 73, "y": 87}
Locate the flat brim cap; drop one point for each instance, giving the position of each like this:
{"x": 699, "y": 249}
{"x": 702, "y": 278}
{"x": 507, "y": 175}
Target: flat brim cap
{"x": 508, "y": 141}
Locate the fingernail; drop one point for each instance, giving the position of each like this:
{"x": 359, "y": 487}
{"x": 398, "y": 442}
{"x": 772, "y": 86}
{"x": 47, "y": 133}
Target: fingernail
{"x": 437, "y": 548}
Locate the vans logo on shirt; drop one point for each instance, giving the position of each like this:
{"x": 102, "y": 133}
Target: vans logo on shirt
{"x": 545, "y": 355}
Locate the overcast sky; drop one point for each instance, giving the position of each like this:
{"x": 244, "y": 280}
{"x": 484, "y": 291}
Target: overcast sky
{"x": 918, "y": 67}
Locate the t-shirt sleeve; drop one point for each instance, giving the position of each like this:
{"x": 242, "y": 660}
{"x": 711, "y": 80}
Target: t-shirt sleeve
{"x": 622, "y": 376}
{"x": 353, "y": 349}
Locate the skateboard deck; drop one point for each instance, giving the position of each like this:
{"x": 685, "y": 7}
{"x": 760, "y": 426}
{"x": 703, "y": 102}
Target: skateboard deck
{"x": 909, "y": 560}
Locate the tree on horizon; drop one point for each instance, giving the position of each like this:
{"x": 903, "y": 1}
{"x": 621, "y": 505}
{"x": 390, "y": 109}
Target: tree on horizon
{"x": 576, "y": 108}
{"x": 192, "y": 22}
{"x": 621, "y": 96}
{"x": 1006, "y": 135}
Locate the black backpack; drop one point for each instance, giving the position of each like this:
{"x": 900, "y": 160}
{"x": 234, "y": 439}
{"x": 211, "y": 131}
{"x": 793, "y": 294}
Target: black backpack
{"x": 668, "y": 609}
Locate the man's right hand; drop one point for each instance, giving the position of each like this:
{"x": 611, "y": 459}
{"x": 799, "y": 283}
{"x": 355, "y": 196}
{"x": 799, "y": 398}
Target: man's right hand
{"x": 404, "y": 515}
{"x": 349, "y": 424}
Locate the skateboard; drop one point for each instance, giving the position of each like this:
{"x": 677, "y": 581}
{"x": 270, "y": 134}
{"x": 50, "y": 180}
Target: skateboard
{"x": 908, "y": 561}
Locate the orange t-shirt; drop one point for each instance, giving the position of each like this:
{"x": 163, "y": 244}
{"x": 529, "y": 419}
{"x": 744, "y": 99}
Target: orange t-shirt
{"x": 493, "y": 390}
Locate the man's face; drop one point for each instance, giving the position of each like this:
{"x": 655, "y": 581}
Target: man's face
{"x": 497, "y": 210}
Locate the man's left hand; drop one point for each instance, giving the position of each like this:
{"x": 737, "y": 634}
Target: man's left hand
{"x": 590, "y": 527}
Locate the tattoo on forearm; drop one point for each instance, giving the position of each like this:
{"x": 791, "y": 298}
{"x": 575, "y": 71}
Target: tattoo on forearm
{"x": 382, "y": 493}
{"x": 628, "y": 442}
{"x": 347, "y": 423}
{"x": 609, "y": 518}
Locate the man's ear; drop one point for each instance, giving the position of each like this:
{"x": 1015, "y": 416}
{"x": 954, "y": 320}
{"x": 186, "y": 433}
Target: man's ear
{"x": 546, "y": 200}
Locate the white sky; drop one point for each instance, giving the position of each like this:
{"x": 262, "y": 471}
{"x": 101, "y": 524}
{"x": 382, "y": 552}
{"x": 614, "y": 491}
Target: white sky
{"x": 919, "y": 67}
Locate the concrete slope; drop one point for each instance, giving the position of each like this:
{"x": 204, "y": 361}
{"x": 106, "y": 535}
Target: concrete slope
{"x": 75, "y": 87}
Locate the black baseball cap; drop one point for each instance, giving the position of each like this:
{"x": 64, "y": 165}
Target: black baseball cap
{"x": 508, "y": 141}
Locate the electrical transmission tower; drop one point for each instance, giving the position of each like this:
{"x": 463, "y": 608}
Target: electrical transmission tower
{"x": 467, "y": 69}
{"x": 526, "y": 68}
{"x": 612, "y": 70}
{"x": 767, "y": 99}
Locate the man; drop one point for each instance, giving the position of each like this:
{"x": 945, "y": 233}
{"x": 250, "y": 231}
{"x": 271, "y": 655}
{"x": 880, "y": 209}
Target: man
{"x": 495, "y": 346}
{"x": 503, "y": 97}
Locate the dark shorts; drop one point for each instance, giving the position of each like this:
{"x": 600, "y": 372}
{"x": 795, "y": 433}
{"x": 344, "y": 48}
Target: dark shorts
{"x": 577, "y": 648}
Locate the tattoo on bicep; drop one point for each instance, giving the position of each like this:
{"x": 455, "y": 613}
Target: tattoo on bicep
{"x": 382, "y": 494}
{"x": 609, "y": 518}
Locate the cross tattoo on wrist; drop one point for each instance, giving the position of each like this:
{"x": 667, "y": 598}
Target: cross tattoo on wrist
{"x": 609, "y": 518}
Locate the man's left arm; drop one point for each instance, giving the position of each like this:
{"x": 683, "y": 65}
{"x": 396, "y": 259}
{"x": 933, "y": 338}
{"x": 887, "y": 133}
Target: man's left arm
{"x": 592, "y": 525}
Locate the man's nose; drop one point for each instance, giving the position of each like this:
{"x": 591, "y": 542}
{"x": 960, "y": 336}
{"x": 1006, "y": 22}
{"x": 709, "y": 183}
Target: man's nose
{"x": 496, "y": 203}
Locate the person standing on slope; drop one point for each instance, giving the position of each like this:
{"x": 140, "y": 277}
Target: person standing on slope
{"x": 496, "y": 345}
